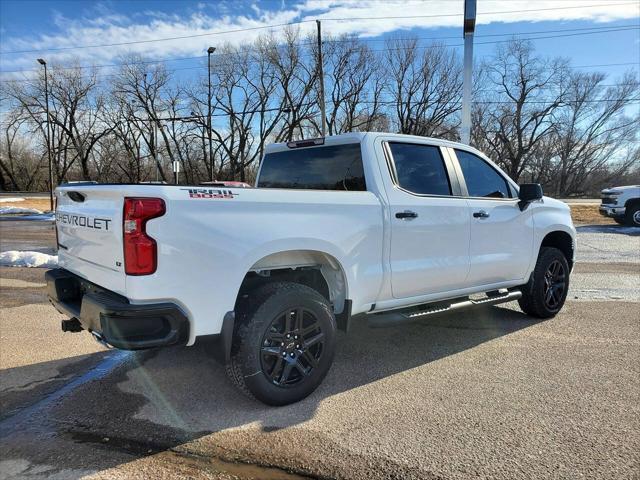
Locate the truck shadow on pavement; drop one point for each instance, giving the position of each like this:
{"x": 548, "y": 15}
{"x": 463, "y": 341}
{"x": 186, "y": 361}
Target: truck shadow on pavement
{"x": 161, "y": 399}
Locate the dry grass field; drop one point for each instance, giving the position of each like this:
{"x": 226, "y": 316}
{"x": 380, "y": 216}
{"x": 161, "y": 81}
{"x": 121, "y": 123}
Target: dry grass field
{"x": 38, "y": 203}
{"x": 588, "y": 214}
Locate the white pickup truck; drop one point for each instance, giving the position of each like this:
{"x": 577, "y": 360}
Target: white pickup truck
{"x": 355, "y": 224}
{"x": 622, "y": 204}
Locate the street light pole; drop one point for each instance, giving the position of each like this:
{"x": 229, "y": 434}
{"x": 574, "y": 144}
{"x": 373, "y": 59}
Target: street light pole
{"x": 46, "y": 101}
{"x": 468, "y": 30}
{"x": 323, "y": 112}
{"x": 210, "y": 50}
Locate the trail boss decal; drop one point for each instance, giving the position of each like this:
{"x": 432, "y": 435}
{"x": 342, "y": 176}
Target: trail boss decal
{"x": 209, "y": 193}
{"x": 82, "y": 221}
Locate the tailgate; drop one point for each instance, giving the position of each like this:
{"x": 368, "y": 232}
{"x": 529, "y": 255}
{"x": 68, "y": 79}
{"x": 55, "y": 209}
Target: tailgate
{"x": 89, "y": 227}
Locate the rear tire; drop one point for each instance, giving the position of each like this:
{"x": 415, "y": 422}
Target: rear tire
{"x": 283, "y": 344}
{"x": 545, "y": 293}
{"x": 633, "y": 215}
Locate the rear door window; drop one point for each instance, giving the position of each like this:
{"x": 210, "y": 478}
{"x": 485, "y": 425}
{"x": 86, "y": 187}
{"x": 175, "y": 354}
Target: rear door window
{"x": 332, "y": 167}
{"x": 420, "y": 168}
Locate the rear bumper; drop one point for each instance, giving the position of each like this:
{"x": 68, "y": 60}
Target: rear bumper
{"x": 111, "y": 316}
{"x": 611, "y": 211}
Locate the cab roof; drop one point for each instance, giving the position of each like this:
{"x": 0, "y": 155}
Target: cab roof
{"x": 360, "y": 137}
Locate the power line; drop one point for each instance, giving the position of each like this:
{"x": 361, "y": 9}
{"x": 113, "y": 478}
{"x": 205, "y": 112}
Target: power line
{"x": 135, "y": 42}
{"x": 110, "y": 65}
{"x": 107, "y": 65}
{"x": 478, "y": 14}
{"x": 607, "y": 65}
{"x": 599, "y": 30}
{"x": 611, "y": 30}
{"x": 493, "y": 42}
{"x": 559, "y": 36}
{"x": 608, "y": 85}
{"x": 503, "y": 102}
{"x": 631, "y": 101}
{"x": 238, "y": 30}
{"x": 198, "y": 67}
{"x": 456, "y": 37}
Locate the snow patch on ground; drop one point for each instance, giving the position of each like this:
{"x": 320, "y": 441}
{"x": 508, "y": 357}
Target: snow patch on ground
{"x": 17, "y": 210}
{"x": 16, "y": 258}
{"x": 11, "y": 199}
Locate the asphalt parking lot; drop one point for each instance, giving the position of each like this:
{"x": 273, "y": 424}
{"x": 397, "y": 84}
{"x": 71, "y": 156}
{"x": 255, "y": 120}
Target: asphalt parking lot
{"x": 491, "y": 393}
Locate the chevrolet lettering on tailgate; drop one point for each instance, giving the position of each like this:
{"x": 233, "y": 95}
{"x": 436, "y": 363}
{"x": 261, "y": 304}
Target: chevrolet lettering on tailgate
{"x": 82, "y": 221}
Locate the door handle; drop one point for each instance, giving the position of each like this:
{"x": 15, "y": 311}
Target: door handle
{"x": 480, "y": 214}
{"x": 406, "y": 214}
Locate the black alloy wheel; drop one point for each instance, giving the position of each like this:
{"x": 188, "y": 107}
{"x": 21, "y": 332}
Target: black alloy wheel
{"x": 292, "y": 347}
{"x": 554, "y": 285}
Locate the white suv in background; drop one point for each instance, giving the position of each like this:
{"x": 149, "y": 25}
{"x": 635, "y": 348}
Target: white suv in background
{"x": 622, "y": 204}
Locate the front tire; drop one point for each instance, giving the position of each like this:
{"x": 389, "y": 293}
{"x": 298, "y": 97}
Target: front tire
{"x": 545, "y": 293}
{"x": 283, "y": 344}
{"x": 633, "y": 215}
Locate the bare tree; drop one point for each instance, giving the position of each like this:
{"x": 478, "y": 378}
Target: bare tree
{"x": 144, "y": 86}
{"x": 237, "y": 101}
{"x": 592, "y": 130}
{"x": 19, "y": 167}
{"x": 522, "y": 93}
{"x": 126, "y": 143}
{"x": 82, "y": 107}
{"x": 355, "y": 86}
{"x": 261, "y": 94}
{"x": 297, "y": 75}
{"x": 74, "y": 115}
{"x": 425, "y": 88}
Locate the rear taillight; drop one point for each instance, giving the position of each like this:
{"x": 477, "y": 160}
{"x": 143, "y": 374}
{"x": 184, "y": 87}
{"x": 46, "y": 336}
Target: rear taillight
{"x": 140, "y": 250}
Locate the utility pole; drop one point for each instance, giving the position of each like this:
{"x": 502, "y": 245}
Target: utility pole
{"x": 46, "y": 101}
{"x": 176, "y": 172}
{"x": 321, "y": 79}
{"x": 210, "y": 50}
{"x": 156, "y": 142}
{"x": 468, "y": 30}
{"x": 198, "y": 119}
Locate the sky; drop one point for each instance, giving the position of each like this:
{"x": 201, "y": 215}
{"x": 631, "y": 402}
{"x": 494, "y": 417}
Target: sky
{"x": 594, "y": 34}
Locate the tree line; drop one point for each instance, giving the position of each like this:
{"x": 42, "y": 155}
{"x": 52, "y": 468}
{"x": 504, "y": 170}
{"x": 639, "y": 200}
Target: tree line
{"x": 539, "y": 118}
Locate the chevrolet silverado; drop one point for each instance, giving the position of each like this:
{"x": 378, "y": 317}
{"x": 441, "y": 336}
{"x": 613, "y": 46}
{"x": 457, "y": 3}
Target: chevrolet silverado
{"x": 337, "y": 229}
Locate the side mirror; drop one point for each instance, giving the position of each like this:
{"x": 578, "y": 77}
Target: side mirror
{"x": 529, "y": 192}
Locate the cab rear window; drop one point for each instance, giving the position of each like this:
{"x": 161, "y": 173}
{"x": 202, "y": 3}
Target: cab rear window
{"x": 332, "y": 167}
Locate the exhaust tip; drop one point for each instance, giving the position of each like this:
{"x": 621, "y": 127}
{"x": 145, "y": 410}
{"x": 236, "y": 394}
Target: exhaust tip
{"x": 71, "y": 325}
{"x": 100, "y": 339}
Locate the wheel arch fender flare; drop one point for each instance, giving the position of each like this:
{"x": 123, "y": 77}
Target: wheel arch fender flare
{"x": 560, "y": 236}
{"x": 320, "y": 254}
{"x": 632, "y": 202}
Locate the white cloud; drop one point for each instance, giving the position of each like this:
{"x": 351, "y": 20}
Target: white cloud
{"x": 110, "y": 27}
